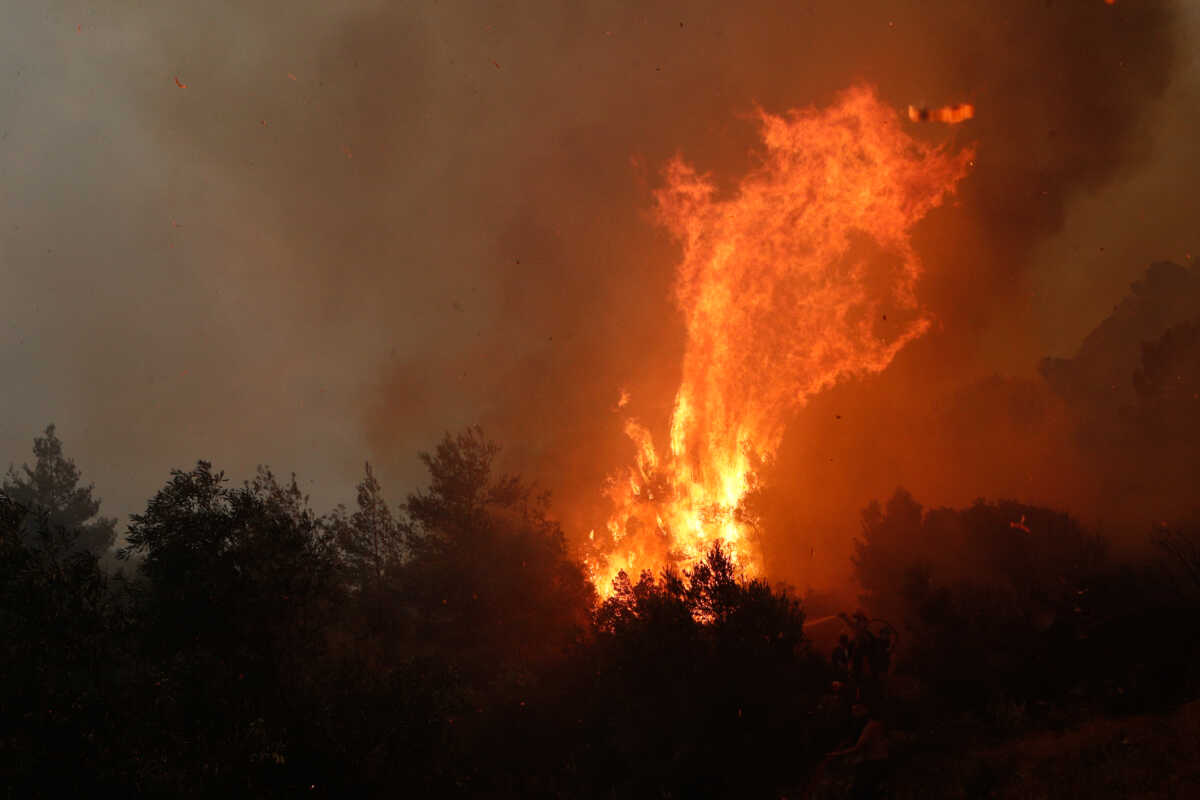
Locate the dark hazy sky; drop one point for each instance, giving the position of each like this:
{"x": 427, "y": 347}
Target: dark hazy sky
{"x": 362, "y": 223}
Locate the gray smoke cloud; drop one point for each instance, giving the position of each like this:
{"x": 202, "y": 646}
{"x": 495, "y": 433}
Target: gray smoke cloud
{"x": 363, "y": 223}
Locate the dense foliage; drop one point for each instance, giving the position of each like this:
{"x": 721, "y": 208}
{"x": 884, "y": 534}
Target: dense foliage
{"x": 248, "y": 646}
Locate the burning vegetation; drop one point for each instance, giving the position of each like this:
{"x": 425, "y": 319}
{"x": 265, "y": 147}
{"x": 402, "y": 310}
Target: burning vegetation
{"x": 716, "y": 370}
{"x": 252, "y": 647}
{"x": 805, "y": 276}
{"x": 951, "y": 115}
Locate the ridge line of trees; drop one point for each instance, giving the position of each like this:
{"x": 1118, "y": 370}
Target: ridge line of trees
{"x": 250, "y": 646}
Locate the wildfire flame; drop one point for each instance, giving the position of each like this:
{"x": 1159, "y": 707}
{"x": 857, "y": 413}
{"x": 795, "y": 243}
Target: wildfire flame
{"x": 951, "y": 115}
{"x": 803, "y": 277}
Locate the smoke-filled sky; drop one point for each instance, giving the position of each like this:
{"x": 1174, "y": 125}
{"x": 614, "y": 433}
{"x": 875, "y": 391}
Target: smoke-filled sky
{"x": 312, "y": 234}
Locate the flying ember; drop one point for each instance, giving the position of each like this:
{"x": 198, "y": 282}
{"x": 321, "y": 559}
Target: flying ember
{"x": 951, "y": 115}
{"x": 804, "y": 276}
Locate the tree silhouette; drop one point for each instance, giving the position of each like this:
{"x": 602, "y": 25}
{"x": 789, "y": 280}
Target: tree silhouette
{"x": 230, "y": 563}
{"x": 716, "y": 663}
{"x": 237, "y": 591}
{"x": 371, "y": 539}
{"x": 490, "y": 577}
{"x": 51, "y": 488}
{"x": 453, "y": 648}
{"x": 63, "y": 630}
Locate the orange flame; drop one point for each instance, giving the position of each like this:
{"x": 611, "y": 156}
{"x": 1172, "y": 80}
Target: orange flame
{"x": 784, "y": 289}
{"x": 951, "y": 115}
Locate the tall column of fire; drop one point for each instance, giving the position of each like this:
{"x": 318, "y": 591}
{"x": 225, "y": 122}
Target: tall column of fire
{"x": 804, "y": 276}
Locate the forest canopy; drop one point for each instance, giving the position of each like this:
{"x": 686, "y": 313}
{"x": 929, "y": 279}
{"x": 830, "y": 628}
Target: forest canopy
{"x": 248, "y": 645}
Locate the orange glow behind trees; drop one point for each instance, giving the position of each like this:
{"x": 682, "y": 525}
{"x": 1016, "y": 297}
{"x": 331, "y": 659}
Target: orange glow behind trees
{"x": 805, "y": 275}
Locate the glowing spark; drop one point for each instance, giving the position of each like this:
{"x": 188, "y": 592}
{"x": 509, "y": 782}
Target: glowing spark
{"x": 951, "y": 115}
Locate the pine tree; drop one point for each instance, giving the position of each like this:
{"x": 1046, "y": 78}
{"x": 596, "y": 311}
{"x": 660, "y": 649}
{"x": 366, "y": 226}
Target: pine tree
{"x": 51, "y": 490}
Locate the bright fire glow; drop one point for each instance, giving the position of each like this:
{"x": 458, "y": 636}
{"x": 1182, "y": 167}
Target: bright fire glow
{"x": 951, "y": 115}
{"x": 803, "y": 276}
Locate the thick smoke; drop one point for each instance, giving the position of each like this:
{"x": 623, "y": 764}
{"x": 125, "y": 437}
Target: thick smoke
{"x": 363, "y": 223}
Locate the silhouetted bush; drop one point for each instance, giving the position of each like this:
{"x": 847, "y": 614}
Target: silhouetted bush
{"x": 452, "y": 647}
{"x": 1004, "y": 602}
